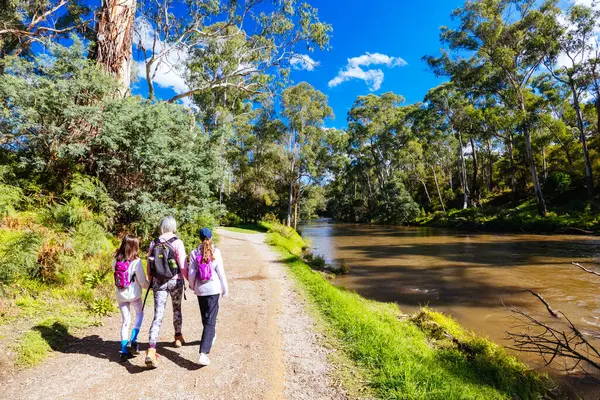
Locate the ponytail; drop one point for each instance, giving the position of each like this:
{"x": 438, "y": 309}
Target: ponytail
{"x": 207, "y": 250}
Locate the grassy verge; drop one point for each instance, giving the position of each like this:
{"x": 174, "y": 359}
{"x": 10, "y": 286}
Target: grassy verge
{"x": 426, "y": 356}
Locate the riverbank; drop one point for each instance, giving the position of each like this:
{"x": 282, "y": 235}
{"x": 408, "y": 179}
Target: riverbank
{"x": 424, "y": 355}
{"x": 568, "y": 213}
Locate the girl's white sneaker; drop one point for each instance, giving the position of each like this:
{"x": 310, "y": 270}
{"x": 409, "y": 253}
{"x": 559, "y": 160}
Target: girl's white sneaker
{"x": 203, "y": 360}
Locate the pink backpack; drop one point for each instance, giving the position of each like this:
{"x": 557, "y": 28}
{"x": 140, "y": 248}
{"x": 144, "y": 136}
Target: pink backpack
{"x": 121, "y": 274}
{"x": 204, "y": 269}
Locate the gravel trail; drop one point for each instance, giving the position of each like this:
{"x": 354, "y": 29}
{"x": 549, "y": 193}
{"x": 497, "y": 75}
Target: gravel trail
{"x": 266, "y": 346}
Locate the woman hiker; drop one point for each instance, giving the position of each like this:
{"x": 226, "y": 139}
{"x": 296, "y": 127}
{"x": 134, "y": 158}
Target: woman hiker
{"x": 129, "y": 280}
{"x": 166, "y": 272}
{"x": 208, "y": 281}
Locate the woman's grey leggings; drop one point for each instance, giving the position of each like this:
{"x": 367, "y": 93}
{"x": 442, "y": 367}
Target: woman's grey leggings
{"x": 161, "y": 290}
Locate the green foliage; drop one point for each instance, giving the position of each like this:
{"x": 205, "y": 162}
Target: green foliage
{"x": 18, "y": 255}
{"x": 90, "y": 239}
{"x": 150, "y": 160}
{"x": 557, "y": 183}
{"x": 396, "y": 205}
{"x": 404, "y": 359}
{"x": 11, "y": 198}
{"x": 92, "y": 192}
{"x": 102, "y": 307}
{"x": 70, "y": 213}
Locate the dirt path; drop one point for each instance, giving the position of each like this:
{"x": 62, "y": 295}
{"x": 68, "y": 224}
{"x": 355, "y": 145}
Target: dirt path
{"x": 266, "y": 346}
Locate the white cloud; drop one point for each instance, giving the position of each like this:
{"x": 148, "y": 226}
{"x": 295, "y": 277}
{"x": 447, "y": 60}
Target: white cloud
{"x": 303, "y": 62}
{"x": 372, "y": 77}
{"x": 563, "y": 60}
{"x": 376, "y": 59}
{"x": 169, "y": 71}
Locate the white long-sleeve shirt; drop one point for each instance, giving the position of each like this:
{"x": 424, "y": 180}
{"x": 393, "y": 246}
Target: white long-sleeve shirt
{"x": 218, "y": 281}
{"x": 134, "y": 290}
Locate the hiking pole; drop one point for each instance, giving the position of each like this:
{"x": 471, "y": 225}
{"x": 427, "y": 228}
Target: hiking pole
{"x": 146, "y": 297}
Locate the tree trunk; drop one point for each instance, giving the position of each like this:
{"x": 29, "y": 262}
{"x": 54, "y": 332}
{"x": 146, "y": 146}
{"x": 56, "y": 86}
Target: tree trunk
{"x": 539, "y": 197}
{"x": 290, "y": 204}
{"x": 475, "y": 167}
{"x": 490, "y": 167}
{"x": 114, "y": 40}
{"x": 296, "y": 210}
{"x": 544, "y": 163}
{"x": 598, "y": 112}
{"x": 437, "y": 186}
{"x": 586, "y": 157}
{"x": 513, "y": 180}
{"x": 426, "y": 191}
{"x": 463, "y": 172}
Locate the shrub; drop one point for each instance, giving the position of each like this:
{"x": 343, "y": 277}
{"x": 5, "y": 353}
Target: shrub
{"x": 231, "y": 219}
{"x": 91, "y": 192}
{"x": 89, "y": 239}
{"x": 71, "y": 213}
{"x": 19, "y": 256}
{"x": 11, "y": 197}
{"x": 93, "y": 279}
{"x": 54, "y": 249}
{"x": 102, "y": 307}
{"x": 557, "y": 183}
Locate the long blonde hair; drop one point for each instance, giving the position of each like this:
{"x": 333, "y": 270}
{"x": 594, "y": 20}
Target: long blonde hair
{"x": 206, "y": 247}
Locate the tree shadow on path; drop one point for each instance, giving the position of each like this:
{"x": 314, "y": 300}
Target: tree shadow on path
{"x": 60, "y": 340}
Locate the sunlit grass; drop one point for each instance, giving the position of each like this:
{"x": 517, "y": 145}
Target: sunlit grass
{"x": 407, "y": 358}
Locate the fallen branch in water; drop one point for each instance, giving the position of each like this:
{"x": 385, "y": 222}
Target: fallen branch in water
{"x": 573, "y": 229}
{"x": 550, "y": 342}
{"x": 568, "y": 343}
{"x": 539, "y": 296}
{"x": 585, "y": 269}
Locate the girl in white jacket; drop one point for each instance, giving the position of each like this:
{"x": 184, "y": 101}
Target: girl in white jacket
{"x": 205, "y": 257}
{"x": 129, "y": 292}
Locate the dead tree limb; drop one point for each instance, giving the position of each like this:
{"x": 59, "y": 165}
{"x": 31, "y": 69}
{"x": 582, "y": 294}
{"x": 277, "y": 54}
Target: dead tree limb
{"x": 585, "y": 269}
{"x": 539, "y": 296}
{"x": 567, "y": 343}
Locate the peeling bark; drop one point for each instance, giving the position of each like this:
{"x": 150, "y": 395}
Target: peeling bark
{"x": 114, "y": 40}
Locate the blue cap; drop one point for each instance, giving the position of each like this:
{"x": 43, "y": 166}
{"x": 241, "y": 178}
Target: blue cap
{"x": 205, "y": 234}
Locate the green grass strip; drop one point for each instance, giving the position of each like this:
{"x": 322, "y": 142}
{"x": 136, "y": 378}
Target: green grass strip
{"x": 408, "y": 358}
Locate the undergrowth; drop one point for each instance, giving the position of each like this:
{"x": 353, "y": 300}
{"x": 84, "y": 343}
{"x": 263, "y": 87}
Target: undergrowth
{"x": 55, "y": 263}
{"x": 410, "y": 358}
{"x": 500, "y": 213}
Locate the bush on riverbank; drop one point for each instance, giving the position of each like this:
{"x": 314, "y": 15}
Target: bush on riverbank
{"x": 428, "y": 356}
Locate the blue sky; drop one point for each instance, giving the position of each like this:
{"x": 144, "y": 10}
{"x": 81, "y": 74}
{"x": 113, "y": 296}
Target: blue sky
{"x": 396, "y": 34}
{"x": 396, "y": 28}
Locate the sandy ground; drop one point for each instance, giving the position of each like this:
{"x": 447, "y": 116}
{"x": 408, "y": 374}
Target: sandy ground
{"x": 266, "y": 346}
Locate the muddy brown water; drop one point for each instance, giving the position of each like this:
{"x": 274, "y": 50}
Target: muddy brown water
{"x": 470, "y": 276}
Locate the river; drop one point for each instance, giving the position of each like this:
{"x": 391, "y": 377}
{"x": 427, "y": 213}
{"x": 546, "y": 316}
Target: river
{"x": 470, "y": 276}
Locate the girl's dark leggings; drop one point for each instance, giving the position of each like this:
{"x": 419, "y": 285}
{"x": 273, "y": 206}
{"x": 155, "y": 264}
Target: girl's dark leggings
{"x": 209, "y": 308}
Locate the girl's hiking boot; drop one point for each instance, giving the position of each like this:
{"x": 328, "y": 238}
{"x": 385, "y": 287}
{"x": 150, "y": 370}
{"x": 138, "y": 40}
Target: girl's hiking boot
{"x": 133, "y": 348}
{"x": 126, "y": 356}
{"x": 204, "y": 360}
{"x": 151, "y": 358}
{"x": 179, "y": 340}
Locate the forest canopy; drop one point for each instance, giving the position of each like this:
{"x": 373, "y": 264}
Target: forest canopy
{"x": 514, "y": 127}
